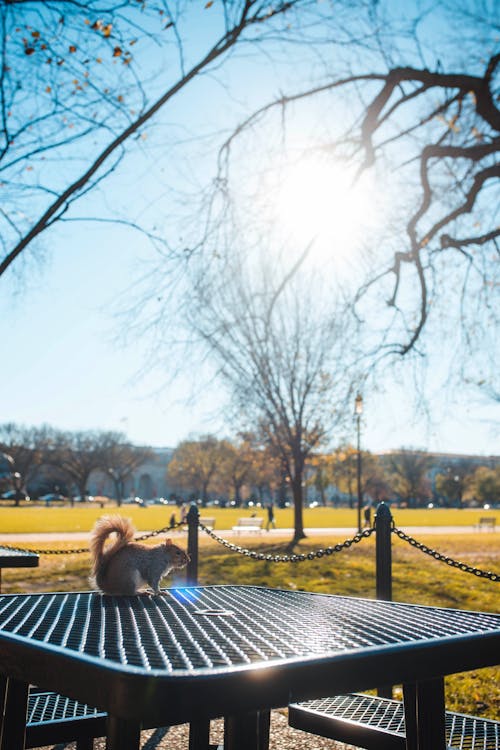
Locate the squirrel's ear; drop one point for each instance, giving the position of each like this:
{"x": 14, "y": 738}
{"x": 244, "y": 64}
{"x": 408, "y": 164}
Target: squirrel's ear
{"x": 168, "y": 542}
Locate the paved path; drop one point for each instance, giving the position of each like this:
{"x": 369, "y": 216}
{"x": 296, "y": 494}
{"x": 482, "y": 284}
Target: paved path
{"x": 345, "y": 533}
{"x": 282, "y": 737}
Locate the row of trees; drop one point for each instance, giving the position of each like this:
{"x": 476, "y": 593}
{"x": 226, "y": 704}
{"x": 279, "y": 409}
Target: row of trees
{"x": 250, "y": 466}
{"x": 247, "y": 467}
{"x": 65, "y": 460}
{"x": 418, "y": 96}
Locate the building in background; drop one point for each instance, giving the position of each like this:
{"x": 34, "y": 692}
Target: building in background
{"x": 148, "y": 481}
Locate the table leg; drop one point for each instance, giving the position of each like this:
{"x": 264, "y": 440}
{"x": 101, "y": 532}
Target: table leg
{"x": 199, "y": 735}
{"x": 14, "y": 720}
{"x": 247, "y": 731}
{"x": 425, "y": 715}
{"x": 122, "y": 734}
{"x": 3, "y": 695}
{"x": 410, "y": 707}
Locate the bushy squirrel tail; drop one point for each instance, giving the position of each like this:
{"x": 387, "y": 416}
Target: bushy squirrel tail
{"x": 103, "y": 527}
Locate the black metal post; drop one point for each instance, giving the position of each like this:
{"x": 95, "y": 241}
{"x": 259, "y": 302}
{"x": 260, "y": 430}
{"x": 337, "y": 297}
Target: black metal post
{"x": 383, "y": 553}
{"x": 122, "y": 734}
{"x": 14, "y": 721}
{"x": 247, "y": 731}
{"x": 192, "y": 519}
{"x": 383, "y": 567}
{"x": 424, "y": 705}
{"x": 360, "y": 494}
{"x": 199, "y": 735}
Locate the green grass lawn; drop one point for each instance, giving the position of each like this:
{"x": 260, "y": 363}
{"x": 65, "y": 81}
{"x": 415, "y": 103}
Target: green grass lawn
{"x": 417, "y": 578}
{"x": 36, "y": 518}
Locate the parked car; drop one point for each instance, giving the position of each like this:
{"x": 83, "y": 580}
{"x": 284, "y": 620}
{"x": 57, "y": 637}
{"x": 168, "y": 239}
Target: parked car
{"x": 12, "y": 494}
{"x": 80, "y": 499}
{"x": 52, "y": 497}
{"x": 133, "y": 500}
{"x": 157, "y": 501}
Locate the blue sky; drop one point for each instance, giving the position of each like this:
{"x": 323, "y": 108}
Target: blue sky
{"x": 63, "y": 360}
{"x": 64, "y": 363}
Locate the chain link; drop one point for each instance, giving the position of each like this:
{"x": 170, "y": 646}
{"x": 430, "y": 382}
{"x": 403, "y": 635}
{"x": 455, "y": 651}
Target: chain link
{"x": 288, "y": 558}
{"x": 294, "y": 558}
{"x": 77, "y": 551}
{"x": 164, "y": 530}
{"x": 80, "y": 550}
{"x": 445, "y": 558}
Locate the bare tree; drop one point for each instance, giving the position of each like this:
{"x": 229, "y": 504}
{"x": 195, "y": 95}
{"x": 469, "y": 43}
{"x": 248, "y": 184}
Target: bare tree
{"x": 284, "y": 350}
{"x": 320, "y": 474}
{"x": 375, "y": 480}
{"x": 421, "y": 110}
{"x": 486, "y": 484}
{"x": 264, "y": 474}
{"x": 25, "y": 447}
{"x": 236, "y": 466}
{"x": 344, "y": 470}
{"x": 78, "y": 454}
{"x": 195, "y": 463}
{"x": 409, "y": 470}
{"x": 456, "y": 480}
{"x": 80, "y": 81}
{"x": 119, "y": 459}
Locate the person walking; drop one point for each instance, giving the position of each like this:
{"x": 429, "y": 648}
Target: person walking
{"x": 367, "y": 514}
{"x": 270, "y": 518}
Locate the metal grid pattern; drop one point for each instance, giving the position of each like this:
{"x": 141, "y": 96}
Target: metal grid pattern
{"x": 192, "y": 629}
{"x": 463, "y": 732}
{"x": 49, "y": 707}
{"x": 376, "y": 713}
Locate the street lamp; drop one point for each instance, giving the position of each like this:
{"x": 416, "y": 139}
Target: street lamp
{"x": 358, "y": 411}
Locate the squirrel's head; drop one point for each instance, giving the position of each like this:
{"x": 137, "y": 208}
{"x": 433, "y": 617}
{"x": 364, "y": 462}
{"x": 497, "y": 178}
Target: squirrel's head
{"x": 178, "y": 557}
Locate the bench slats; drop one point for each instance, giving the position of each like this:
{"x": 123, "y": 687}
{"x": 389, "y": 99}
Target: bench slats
{"x": 378, "y": 723}
{"x": 487, "y": 522}
{"x": 208, "y": 522}
{"x": 249, "y": 524}
{"x": 52, "y": 718}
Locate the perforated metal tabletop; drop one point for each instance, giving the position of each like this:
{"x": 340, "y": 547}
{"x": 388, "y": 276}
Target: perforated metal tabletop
{"x": 212, "y": 651}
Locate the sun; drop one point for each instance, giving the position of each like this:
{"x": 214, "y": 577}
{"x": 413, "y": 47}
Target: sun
{"x": 318, "y": 203}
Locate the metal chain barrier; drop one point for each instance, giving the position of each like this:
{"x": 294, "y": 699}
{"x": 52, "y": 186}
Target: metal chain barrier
{"x": 294, "y": 558}
{"x": 445, "y": 558}
{"x": 288, "y": 558}
{"x": 80, "y": 550}
{"x": 170, "y": 527}
{"x": 76, "y": 551}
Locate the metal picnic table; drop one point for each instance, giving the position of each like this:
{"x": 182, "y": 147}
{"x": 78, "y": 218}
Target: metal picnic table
{"x": 198, "y": 653}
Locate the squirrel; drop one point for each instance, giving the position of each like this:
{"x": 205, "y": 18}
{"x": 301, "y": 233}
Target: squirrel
{"x": 126, "y": 565}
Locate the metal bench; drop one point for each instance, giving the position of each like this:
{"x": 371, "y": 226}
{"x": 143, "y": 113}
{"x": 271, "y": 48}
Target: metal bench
{"x": 209, "y": 522}
{"x": 487, "y": 522}
{"x": 249, "y": 524}
{"x": 378, "y": 723}
{"x": 53, "y": 719}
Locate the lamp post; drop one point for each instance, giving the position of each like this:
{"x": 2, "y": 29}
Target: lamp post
{"x": 17, "y": 482}
{"x": 358, "y": 411}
